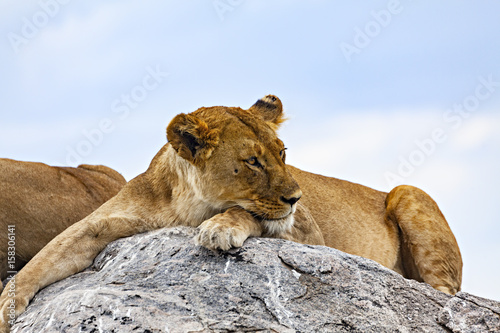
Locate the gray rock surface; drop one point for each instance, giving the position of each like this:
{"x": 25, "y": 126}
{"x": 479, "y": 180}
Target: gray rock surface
{"x": 161, "y": 282}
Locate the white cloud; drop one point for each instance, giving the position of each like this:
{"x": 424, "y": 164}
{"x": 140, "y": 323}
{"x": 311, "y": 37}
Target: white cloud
{"x": 477, "y": 131}
{"x": 481, "y": 271}
{"x": 360, "y": 143}
{"x": 373, "y": 143}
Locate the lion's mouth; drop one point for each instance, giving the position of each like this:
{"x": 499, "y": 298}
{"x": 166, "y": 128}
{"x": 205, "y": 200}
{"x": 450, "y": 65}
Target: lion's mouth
{"x": 277, "y": 227}
{"x": 271, "y": 217}
{"x": 274, "y": 224}
{"x": 267, "y": 218}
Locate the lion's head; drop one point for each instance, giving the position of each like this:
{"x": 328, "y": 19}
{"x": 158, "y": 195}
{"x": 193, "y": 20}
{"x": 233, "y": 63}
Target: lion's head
{"x": 239, "y": 159}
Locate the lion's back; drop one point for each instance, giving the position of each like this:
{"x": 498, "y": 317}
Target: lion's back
{"x": 40, "y": 201}
{"x": 343, "y": 210}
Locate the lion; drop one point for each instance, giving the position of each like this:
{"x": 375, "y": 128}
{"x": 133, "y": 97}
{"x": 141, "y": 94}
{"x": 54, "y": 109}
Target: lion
{"x": 223, "y": 171}
{"x": 38, "y": 201}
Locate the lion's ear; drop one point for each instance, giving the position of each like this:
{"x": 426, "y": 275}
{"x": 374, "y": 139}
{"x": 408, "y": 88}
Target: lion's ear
{"x": 271, "y": 110}
{"x": 191, "y": 137}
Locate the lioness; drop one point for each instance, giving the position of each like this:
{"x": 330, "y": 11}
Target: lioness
{"x": 38, "y": 201}
{"x": 223, "y": 170}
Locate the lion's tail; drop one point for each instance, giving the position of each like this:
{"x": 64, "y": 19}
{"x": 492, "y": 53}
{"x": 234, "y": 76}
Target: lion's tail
{"x": 429, "y": 249}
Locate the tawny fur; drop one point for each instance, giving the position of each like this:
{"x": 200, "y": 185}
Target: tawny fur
{"x": 223, "y": 171}
{"x": 40, "y": 201}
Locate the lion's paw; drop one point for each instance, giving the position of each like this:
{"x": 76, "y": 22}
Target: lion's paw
{"x": 10, "y": 308}
{"x": 217, "y": 233}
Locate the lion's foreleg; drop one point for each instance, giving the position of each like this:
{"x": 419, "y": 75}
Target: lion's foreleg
{"x": 228, "y": 229}
{"x": 429, "y": 249}
{"x": 70, "y": 252}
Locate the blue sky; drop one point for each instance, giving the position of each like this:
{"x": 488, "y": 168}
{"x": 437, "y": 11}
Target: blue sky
{"x": 378, "y": 93}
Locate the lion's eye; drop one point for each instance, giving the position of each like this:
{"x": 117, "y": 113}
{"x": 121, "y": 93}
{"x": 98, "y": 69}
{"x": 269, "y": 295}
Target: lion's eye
{"x": 283, "y": 154}
{"x": 253, "y": 161}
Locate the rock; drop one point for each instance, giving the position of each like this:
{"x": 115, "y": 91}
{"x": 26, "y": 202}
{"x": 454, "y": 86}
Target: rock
{"x": 161, "y": 282}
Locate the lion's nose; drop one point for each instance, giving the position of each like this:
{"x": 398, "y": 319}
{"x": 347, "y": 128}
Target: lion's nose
{"x": 292, "y": 200}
